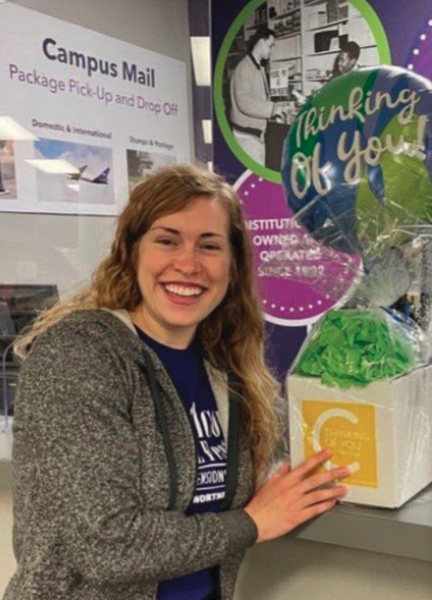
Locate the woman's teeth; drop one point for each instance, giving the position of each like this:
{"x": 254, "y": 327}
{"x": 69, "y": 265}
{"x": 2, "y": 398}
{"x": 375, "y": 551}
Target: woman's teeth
{"x": 180, "y": 290}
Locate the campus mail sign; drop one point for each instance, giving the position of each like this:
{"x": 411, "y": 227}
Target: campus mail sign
{"x": 83, "y": 116}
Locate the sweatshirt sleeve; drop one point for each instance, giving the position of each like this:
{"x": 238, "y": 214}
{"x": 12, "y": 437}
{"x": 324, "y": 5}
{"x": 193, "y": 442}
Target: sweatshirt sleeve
{"x": 76, "y": 447}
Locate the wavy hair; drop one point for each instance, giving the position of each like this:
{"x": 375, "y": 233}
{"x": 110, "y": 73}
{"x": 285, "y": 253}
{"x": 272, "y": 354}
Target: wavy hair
{"x": 232, "y": 336}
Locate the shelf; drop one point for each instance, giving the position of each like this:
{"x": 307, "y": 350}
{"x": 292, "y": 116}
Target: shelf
{"x": 282, "y": 60}
{"x": 327, "y": 25}
{"x": 287, "y": 14}
{"x": 325, "y": 53}
{"x": 285, "y": 36}
{"x": 314, "y": 3}
{"x": 403, "y": 532}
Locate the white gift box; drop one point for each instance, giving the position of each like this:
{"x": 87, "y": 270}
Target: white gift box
{"x": 383, "y": 432}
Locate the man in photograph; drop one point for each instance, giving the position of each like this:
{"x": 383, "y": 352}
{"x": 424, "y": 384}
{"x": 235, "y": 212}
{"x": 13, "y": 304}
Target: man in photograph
{"x": 347, "y": 58}
{"x": 251, "y": 106}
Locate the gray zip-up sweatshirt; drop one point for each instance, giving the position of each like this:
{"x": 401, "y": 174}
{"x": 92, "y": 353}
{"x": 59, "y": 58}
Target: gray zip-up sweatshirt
{"x": 104, "y": 466}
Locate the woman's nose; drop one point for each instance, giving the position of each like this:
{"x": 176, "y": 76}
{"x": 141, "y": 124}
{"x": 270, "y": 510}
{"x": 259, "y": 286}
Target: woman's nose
{"x": 187, "y": 262}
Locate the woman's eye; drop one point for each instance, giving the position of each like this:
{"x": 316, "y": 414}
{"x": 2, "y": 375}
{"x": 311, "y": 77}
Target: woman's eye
{"x": 165, "y": 241}
{"x": 211, "y": 246}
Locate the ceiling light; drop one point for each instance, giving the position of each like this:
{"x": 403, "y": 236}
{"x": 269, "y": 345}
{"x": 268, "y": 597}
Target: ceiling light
{"x": 207, "y": 131}
{"x": 201, "y": 59}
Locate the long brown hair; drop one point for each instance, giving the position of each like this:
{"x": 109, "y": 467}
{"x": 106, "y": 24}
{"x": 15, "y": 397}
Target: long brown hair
{"x": 232, "y": 336}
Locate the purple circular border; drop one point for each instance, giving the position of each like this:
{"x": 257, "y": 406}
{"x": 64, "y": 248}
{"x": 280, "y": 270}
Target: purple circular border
{"x": 288, "y": 301}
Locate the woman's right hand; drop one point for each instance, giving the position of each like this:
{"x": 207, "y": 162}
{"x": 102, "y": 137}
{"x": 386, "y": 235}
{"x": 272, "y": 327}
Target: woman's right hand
{"x": 291, "y": 497}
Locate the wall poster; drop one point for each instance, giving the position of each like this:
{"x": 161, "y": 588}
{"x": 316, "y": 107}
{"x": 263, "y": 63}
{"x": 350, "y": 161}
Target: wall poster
{"x": 83, "y": 116}
{"x": 256, "y": 101}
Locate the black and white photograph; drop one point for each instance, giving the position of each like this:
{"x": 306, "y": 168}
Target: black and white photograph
{"x": 285, "y": 51}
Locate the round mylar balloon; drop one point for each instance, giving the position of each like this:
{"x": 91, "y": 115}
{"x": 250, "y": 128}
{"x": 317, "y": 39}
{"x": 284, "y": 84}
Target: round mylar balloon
{"x": 358, "y": 160}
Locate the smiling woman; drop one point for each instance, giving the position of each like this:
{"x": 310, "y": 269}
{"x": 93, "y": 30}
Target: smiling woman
{"x": 183, "y": 271}
{"x": 145, "y": 414}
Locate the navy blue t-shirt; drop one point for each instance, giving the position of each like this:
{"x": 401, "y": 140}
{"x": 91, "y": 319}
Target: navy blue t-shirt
{"x": 189, "y": 376}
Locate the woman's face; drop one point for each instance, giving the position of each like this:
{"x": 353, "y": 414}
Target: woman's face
{"x": 183, "y": 271}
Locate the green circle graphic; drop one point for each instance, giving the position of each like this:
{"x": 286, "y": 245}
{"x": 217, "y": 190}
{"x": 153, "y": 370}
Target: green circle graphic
{"x": 366, "y": 11}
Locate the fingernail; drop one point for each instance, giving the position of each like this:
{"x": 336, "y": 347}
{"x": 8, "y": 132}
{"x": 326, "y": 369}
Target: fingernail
{"x": 344, "y": 472}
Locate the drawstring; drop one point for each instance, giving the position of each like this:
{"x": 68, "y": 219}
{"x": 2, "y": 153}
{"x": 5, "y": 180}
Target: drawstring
{"x": 161, "y": 418}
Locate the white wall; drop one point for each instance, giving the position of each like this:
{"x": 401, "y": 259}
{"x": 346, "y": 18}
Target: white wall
{"x": 158, "y": 25}
{"x": 61, "y": 249}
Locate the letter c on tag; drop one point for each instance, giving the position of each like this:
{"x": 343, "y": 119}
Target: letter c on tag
{"x": 320, "y": 422}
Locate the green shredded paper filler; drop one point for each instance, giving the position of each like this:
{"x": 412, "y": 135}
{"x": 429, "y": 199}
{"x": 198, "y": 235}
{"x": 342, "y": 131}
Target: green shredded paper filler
{"x": 354, "y": 347}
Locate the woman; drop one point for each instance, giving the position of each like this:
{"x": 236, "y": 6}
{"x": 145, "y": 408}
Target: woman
{"x": 145, "y": 414}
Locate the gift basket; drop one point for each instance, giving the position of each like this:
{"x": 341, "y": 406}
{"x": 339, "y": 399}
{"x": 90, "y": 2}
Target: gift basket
{"x": 357, "y": 175}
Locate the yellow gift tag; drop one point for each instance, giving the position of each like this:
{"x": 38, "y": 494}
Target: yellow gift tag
{"x": 349, "y": 430}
